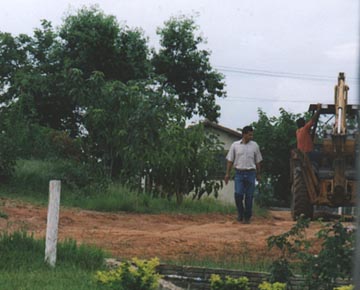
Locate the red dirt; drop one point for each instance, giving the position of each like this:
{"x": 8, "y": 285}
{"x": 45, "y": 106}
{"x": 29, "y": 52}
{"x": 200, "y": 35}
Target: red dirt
{"x": 167, "y": 236}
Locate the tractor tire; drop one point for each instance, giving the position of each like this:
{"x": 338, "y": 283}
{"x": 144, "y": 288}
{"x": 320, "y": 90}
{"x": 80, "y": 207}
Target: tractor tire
{"x": 300, "y": 204}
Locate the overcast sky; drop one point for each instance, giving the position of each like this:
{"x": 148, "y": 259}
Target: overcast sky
{"x": 273, "y": 54}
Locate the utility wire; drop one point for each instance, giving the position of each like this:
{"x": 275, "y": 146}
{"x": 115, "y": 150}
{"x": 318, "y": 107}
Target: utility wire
{"x": 277, "y": 74}
{"x": 249, "y": 99}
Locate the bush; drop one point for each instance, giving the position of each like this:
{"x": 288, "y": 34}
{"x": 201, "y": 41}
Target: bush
{"x": 269, "y": 286}
{"x": 229, "y": 283}
{"x": 349, "y": 287}
{"x": 134, "y": 275}
{"x": 320, "y": 270}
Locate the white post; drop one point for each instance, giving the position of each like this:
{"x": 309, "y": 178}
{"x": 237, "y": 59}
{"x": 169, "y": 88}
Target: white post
{"x": 52, "y": 222}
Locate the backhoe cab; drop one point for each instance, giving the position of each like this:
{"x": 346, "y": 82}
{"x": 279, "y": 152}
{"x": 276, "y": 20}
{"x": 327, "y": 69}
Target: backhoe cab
{"x": 330, "y": 180}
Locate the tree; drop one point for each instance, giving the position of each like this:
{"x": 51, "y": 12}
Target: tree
{"x": 187, "y": 68}
{"x": 276, "y": 136}
{"x": 185, "y": 161}
{"x": 94, "y": 41}
{"x": 34, "y": 80}
{"x": 94, "y": 80}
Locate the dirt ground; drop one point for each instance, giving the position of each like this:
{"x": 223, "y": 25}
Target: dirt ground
{"x": 166, "y": 236}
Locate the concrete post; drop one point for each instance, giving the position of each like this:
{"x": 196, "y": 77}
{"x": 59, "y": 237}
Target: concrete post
{"x": 52, "y": 222}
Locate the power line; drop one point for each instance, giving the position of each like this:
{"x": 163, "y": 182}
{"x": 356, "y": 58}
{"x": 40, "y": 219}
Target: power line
{"x": 278, "y": 74}
{"x": 249, "y": 99}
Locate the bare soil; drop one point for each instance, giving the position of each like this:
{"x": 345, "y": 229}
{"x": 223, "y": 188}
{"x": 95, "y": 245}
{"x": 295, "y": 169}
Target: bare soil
{"x": 166, "y": 236}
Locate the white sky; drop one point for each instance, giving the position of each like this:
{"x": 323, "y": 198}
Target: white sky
{"x": 273, "y": 54}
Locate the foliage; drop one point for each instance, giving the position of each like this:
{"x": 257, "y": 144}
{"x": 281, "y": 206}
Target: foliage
{"x": 185, "y": 162}
{"x": 229, "y": 283}
{"x": 94, "y": 41}
{"x": 274, "y": 286}
{"x": 8, "y": 149}
{"x": 187, "y": 69}
{"x": 276, "y": 136}
{"x": 349, "y": 287}
{"x": 280, "y": 270}
{"x": 123, "y": 123}
{"x": 289, "y": 243}
{"x": 7, "y": 157}
{"x": 334, "y": 260}
{"x": 90, "y": 92}
{"x": 135, "y": 275}
{"x": 264, "y": 192}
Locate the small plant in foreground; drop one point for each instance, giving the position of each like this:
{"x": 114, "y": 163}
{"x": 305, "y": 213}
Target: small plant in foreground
{"x": 348, "y": 287}
{"x": 135, "y": 275}
{"x": 274, "y": 286}
{"x": 289, "y": 243}
{"x": 332, "y": 261}
{"x": 229, "y": 283}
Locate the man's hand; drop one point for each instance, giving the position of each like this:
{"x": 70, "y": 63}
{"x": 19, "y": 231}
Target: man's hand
{"x": 226, "y": 178}
{"x": 258, "y": 177}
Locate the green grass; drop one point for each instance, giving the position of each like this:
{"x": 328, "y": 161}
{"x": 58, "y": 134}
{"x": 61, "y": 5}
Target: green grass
{"x": 22, "y": 264}
{"x": 31, "y": 183}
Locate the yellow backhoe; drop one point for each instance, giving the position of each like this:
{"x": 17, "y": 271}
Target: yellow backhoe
{"x": 330, "y": 180}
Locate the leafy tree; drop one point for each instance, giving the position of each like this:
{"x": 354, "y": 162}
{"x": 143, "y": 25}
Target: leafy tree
{"x": 276, "y": 136}
{"x": 34, "y": 82}
{"x": 94, "y": 41}
{"x": 187, "y": 68}
{"x": 94, "y": 80}
{"x": 185, "y": 161}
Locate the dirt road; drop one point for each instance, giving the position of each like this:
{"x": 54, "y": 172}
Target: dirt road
{"x": 145, "y": 236}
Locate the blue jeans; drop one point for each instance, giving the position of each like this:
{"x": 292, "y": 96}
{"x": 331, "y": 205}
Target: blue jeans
{"x": 244, "y": 186}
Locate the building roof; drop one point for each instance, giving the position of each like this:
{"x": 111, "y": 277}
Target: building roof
{"x": 234, "y": 133}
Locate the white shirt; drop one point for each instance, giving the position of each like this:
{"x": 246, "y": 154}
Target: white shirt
{"x": 244, "y": 156}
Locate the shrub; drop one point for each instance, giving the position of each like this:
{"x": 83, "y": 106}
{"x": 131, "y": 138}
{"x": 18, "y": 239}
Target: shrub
{"x": 134, "y": 275}
{"x": 349, "y": 287}
{"x": 274, "y": 286}
{"x": 229, "y": 283}
{"x": 320, "y": 270}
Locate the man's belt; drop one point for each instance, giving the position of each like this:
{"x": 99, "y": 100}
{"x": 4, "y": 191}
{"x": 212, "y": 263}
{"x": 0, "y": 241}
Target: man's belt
{"x": 246, "y": 170}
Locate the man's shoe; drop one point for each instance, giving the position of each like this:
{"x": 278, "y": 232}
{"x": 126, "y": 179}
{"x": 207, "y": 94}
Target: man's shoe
{"x": 246, "y": 221}
{"x": 240, "y": 219}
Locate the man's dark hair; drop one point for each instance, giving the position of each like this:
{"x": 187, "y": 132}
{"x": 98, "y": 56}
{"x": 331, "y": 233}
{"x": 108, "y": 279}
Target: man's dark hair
{"x": 300, "y": 122}
{"x": 247, "y": 129}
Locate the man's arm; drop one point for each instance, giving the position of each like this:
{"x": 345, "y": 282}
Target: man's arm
{"x": 313, "y": 118}
{"x": 229, "y": 165}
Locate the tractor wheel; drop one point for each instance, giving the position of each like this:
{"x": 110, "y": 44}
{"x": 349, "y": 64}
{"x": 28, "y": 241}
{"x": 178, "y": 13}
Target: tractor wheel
{"x": 300, "y": 201}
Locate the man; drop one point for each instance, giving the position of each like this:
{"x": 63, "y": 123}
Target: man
{"x": 303, "y": 137}
{"x": 245, "y": 157}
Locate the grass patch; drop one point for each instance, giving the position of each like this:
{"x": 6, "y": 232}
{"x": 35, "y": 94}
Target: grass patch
{"x": 119, "y": 198}
{"x": 31, "y": 182}
{"x": 22, "y": 264}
